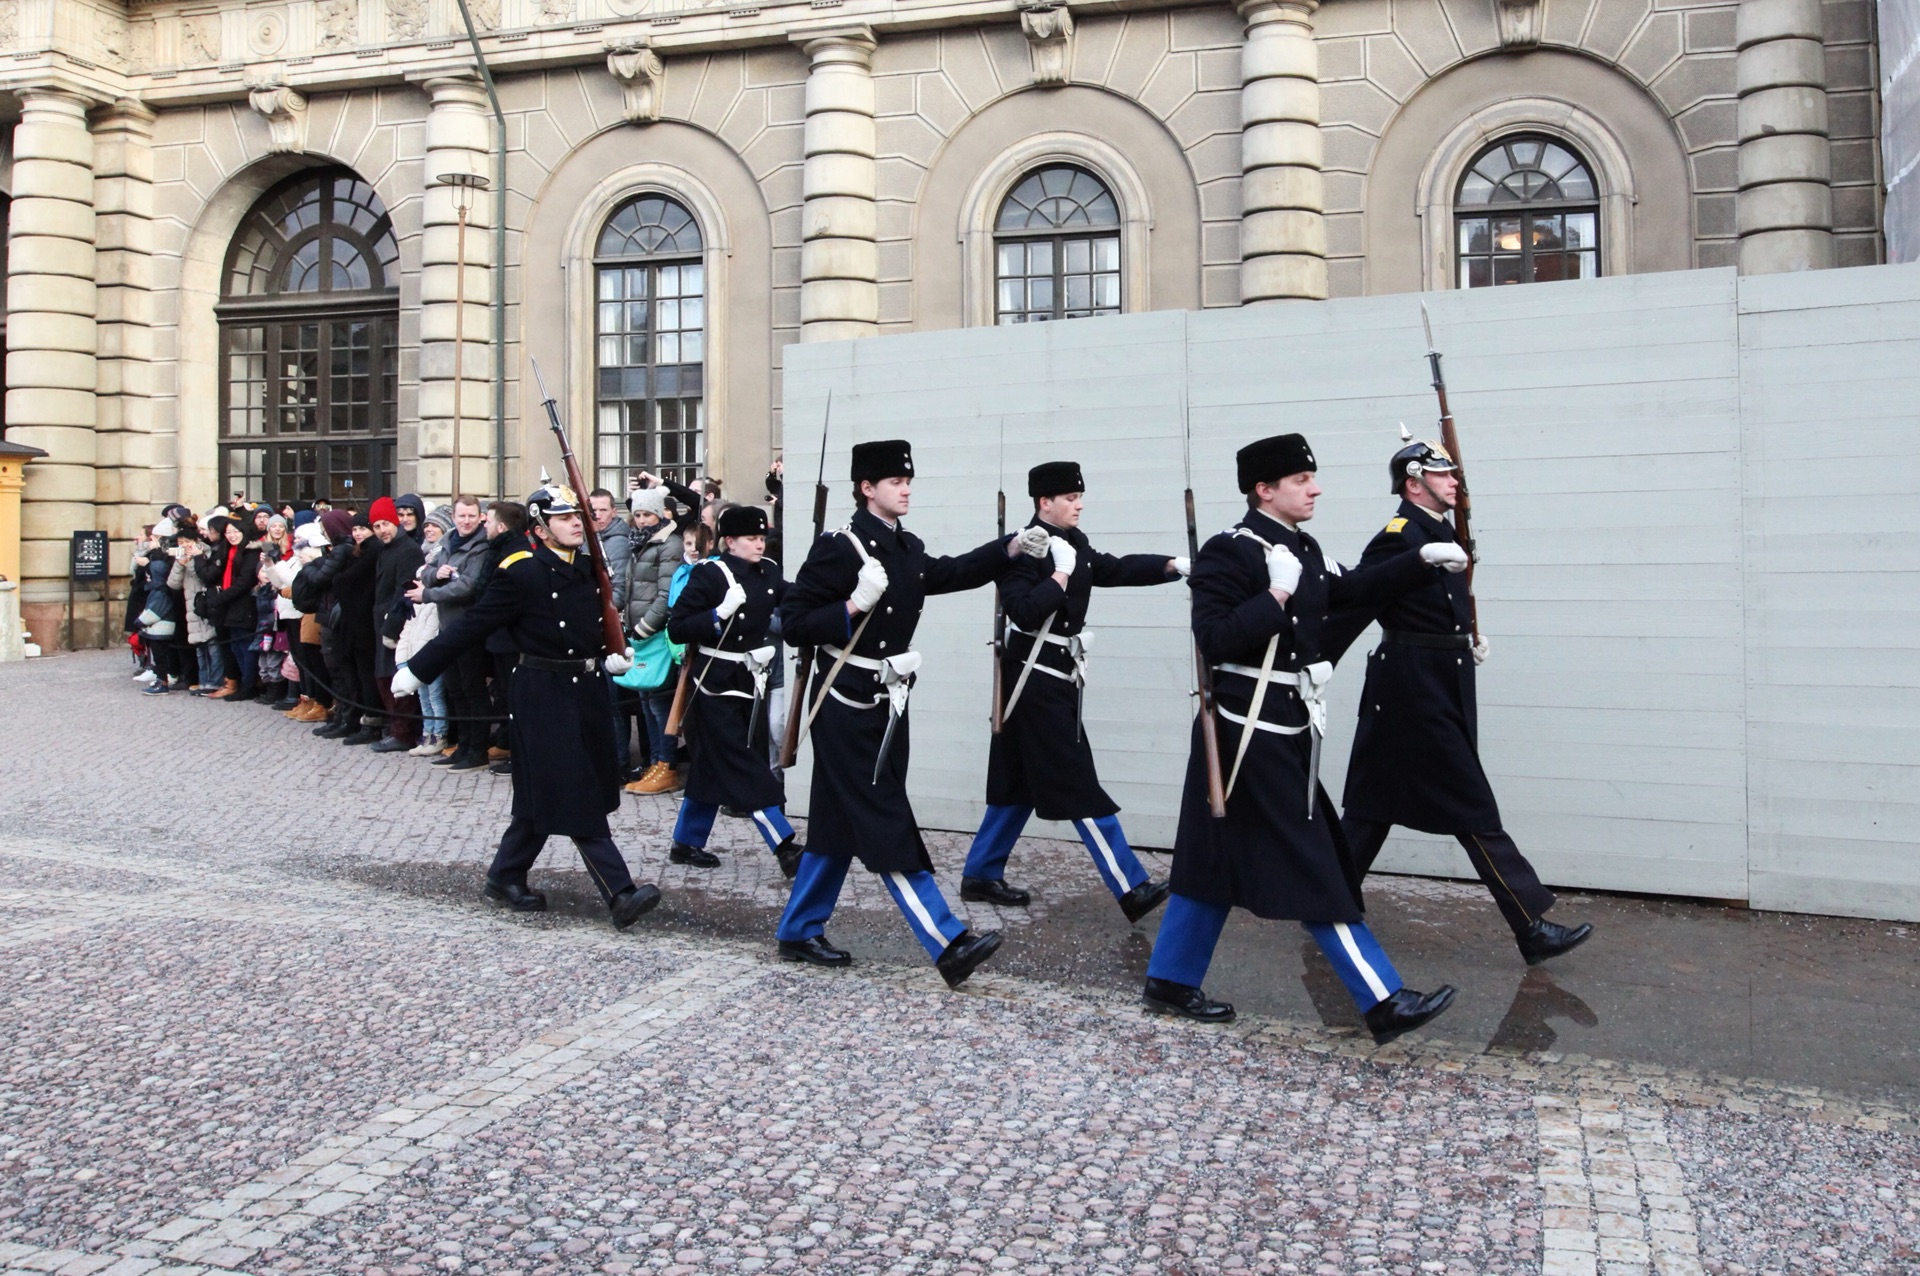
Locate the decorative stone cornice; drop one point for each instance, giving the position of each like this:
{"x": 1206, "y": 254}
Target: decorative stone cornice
{"x": 642, "y": 77}
{"x": 286, "y": 112}
{"x": 1520, "y": 22}
{"x": 1048, "y": 25}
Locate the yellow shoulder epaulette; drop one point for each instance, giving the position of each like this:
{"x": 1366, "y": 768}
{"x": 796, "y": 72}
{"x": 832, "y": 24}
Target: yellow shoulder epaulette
{"x": 513, "y": 558}
{"x": 1393, "y": 525}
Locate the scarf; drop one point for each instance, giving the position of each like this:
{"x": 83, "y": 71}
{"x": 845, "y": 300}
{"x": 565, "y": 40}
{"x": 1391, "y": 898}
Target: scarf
{"x": 226, "y": 574}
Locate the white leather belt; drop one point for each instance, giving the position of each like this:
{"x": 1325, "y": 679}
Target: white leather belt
{"x": 1310, "y": 684}
{"x": 894, "y": 673}
{"x": 1076, "y": 646}
{"x": 759, "y": 663}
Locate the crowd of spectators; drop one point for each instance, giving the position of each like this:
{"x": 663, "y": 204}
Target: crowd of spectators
{"x": 308, "y": 609}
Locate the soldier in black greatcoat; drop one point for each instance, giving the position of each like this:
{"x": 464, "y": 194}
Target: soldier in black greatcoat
{"x": 1262, "y": 593}
{"x": 565, "y": 778}
{"x": 725, "y": 616}
{"x": 1416, "y": 758}
{"x": 1041, "y": 760}
{"x": 857, "y": 600}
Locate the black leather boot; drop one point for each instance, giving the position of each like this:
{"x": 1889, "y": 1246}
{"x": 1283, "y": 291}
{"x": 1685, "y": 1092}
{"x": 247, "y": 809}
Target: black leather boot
{"x": 992, "y": 890}
{"x": 630, "y": 903}
{"x": 1143, "y": 899}
{"x": 1546, "y": 939}
{"x": 965, "y": 954}
{"x": 516, "y": 896}
{"x": 1164, "y": 997}
{"x": 697, "y": 856}
{"x": 815, "y": 952}
{"x": 1405, "y": 1011}
{"x": 788, "y": 853}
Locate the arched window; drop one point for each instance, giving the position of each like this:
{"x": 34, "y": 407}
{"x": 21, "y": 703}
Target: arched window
{"x": 1057, "y": 247}
{"x": 1527, "y": 211}
{"x": 309, "y": 344}
{"x": 650, "y": 343}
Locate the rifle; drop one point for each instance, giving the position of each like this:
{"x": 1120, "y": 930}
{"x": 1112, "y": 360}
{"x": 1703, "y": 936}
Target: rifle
{"x": 997, "y": 642}
{"x": 612, "y": 632}
{"x": 1450, "y": 440}
{"x": 803, "y": 656}
{"x": 1203, "y": 675}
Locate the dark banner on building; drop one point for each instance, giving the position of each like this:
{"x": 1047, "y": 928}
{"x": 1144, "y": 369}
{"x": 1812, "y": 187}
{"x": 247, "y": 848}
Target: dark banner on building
{"x": 1900, "y": 125}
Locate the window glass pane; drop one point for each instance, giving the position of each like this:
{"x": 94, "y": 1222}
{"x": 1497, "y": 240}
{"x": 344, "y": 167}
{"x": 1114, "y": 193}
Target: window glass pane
{"x": 609, "y": 352}
{"x": 609, "y": 285}
{"x": 1079, "y": 256}
{"x": 693, "y": 280}
{"x": 1040, "y": 295}
{"x": 1012, "y": 295}
{"x": 1106, "y": 254}
{"x": 1546, "y": 232}
{"x": 692, "y": 347}
{"x": 1079, "y": 292}
{"x": 610, "y": 316}
{"x": 669, "y": 313}
{"x": 668, "y": 348}
{"x": 1477, "y": 273}
{"x": 1506, "y": 270}
{"x": 1040, "y": 258}
{"x": 1106, "y": 292}
{"x": 1012, "y": 259}
{"x": 1473, "y": 235}
{"x": 693, "y": 313}
{"x": 1580, "y": 231}
{"x": 1506, "y": 234}
{"x": 669, "y": 281}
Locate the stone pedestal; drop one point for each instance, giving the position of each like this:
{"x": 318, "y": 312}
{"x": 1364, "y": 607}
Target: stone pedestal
{"x": 52, "y": 371}
{"x": 455, "y": 302}
{"x": 839, "y": 256}
{"x": 1785, "y": 205}
{"x": 1283, "y": 229}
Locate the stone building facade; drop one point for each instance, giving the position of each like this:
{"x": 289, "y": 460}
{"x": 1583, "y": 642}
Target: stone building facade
{"x": 251, "y": 245}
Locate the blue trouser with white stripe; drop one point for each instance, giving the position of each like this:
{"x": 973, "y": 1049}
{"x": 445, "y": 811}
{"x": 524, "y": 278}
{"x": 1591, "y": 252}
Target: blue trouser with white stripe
{"x": 695, "y": 824}
{"x": 1190, "y": 930}
{"x": 816, "y": 888}
{"x": 1119, "y": 867}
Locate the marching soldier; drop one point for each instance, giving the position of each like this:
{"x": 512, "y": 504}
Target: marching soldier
{"x": 1261, "y": 593}
{"x": 724, "y": 616}
{"x": 1416, "y": 759}
{"x": 565, "y": 779}
{"x": 857, "y": 599}
{"x": 1041, "y": 760}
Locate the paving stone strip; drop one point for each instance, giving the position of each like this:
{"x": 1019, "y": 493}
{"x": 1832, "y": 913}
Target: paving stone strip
{"x": 1615, "y": 1200}
{"x": 346, "y": 1169}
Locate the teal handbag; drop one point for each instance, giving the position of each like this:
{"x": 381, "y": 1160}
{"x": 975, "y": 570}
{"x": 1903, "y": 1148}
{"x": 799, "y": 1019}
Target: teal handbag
{"x": 653, "y": 660}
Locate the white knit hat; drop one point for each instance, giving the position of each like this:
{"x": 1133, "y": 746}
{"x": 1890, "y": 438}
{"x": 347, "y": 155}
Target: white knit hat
{"x": 310, "y": 536}
{"x": 648, "y": 500}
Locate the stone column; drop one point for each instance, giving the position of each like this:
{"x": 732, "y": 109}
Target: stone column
{"x": 52, "y": 373}
{"x": 839, "y": 259}
{"x": 1785, "y": 206}
{"x": 132, "y": 477}
{"x": 1283, "y": 227}
{"x": 459, "y": 140}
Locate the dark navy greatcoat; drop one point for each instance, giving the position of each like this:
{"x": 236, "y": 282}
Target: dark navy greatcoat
{"x": 565, "y": 776}
{"x": 850, "y": 813}
{"x": 1416, "y": 760}
{"x": 1266, "y": 856}
{"x": 725, "y": 767}
{"x": 1035, "y": 760}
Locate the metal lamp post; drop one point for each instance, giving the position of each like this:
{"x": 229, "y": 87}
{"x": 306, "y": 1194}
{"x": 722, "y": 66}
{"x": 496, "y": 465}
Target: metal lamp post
{"x": 464, "y": 187}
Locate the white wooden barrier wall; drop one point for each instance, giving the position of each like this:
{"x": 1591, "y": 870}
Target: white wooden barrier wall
{"x": 1687, "y": 491}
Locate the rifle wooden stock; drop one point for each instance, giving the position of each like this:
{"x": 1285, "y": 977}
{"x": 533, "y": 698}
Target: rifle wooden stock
{"x": 1463, "y": 504}
{"x": 677, "y": 714}
{"x": 1203, "y": 681}
{"x": 803, "y": 656}
{"x": 999, "y": 637}
{"x": 613, "y": 634}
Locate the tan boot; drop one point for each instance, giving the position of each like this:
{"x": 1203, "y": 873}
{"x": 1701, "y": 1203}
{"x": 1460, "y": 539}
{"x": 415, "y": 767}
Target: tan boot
{"x": 299, "y": 708}
{"x": 660, "y": 778}
{"x": 228, "y": 688}
{"x": 314, "y": 712}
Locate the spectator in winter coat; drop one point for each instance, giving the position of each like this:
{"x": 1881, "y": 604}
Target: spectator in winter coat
{"x": 412, "y": 517}
{"x": 658, "y": 550}
{"x": 203, "y": 673}
{"x": 231, "y": 573}
{"x": 454, "y": 582}
{"x": 355, "y": 638}
{"x": 400, "y": 558}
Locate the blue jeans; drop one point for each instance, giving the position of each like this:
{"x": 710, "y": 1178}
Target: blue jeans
{"x": 657, "y": 705}
{"x": 433, "y": 707}
{"x": 211, "y": 666}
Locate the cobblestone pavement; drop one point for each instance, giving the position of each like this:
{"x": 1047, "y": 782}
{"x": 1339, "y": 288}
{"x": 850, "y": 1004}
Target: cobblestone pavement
{"x": 258, "y": 1020}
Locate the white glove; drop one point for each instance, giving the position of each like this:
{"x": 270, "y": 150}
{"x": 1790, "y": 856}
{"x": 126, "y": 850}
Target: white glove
{"x": 1183, "y": 566}
{"x": 404, "y": 683}
{"x": 736, "y": 599}
{"x": 1480, "y": 650}
{"x": 618, "y": 663}
{"x": 872, "y": 584}
{"x": 1283, "y": 569}
{"x": 1444, "y": 554}
{"x": 1032, "y": 541}
{"x": 1065, "y": 558}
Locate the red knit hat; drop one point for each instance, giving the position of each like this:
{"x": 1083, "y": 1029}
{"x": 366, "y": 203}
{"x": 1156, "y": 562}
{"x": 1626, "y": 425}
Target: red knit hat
{"x": 384, "y": 510}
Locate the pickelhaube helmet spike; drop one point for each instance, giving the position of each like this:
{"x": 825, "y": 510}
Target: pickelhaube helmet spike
{"x": 1415, "y": 458}
{"x": 551, "y": 498}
